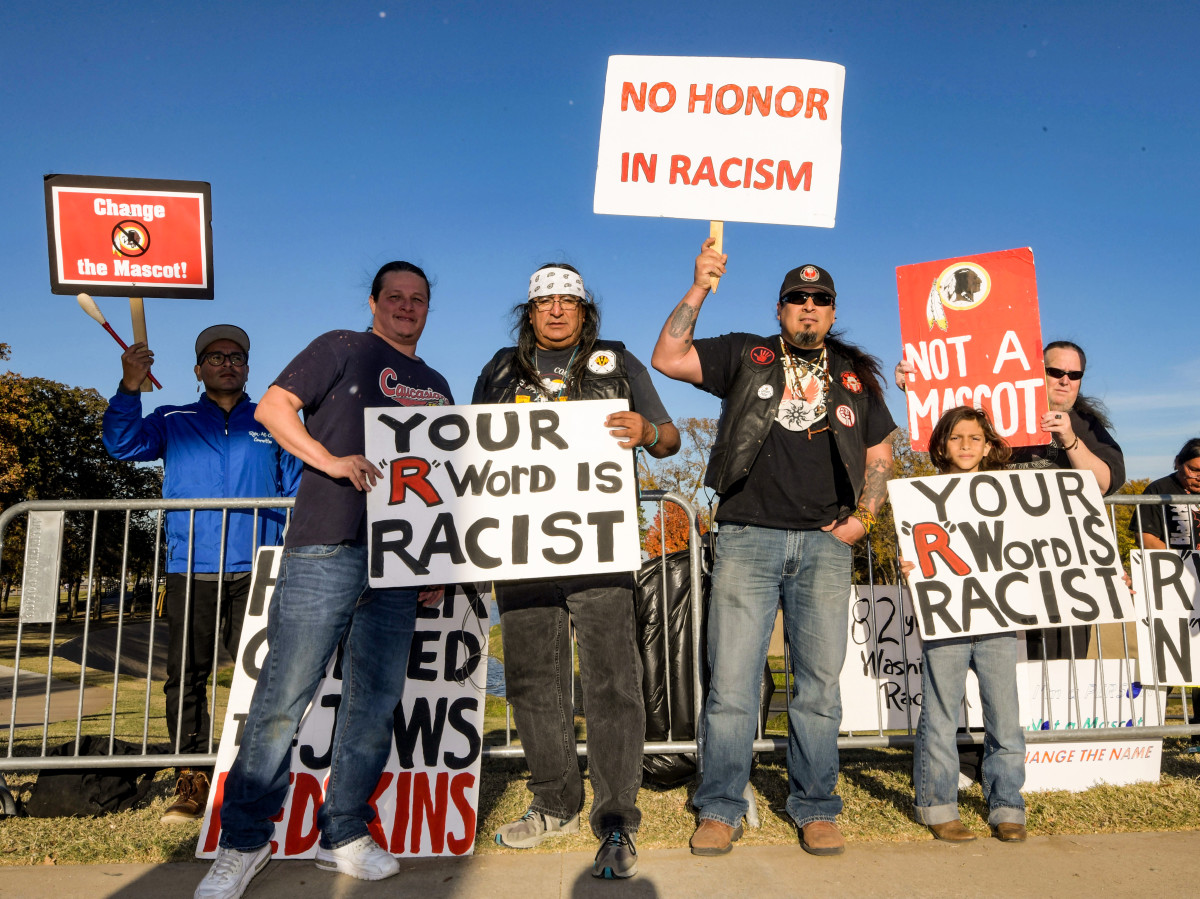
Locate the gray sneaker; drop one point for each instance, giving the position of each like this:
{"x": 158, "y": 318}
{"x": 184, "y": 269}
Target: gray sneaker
{"x": 532, "y": 828}
{"x": 617, "y": 856}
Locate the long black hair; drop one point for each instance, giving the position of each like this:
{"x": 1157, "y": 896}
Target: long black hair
{"x": 527, "y": 341}
{"x": 868, "y": 368}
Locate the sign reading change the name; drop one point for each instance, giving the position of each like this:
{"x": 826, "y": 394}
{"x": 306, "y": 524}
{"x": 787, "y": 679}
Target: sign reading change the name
{"x": 1005, "y": 550}
{"x": 743, "y": 140}
{"x": 515, "y": 490}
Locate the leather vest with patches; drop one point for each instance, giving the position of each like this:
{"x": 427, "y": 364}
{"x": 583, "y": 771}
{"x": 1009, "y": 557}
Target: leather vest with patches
{"x": 502, "y": 383}
{"x": 749, "y": 410}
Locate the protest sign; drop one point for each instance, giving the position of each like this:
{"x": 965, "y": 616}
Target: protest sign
{"x": 1097, "y": 693}
{"x": 427, "y": 796}
{"x": 970, "y": 328}
{"x": 997, "y": 551}
{"x": 129, "y": 237}
{"x": 749, "y": 140}
{"x": 1081, "y": 766}
{"x": 1168, "y": 624}
{"x": 513, "y": 490}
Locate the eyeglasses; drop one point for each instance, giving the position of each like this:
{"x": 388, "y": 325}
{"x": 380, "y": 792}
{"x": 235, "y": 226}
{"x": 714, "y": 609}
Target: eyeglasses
{"x": 543, "y": 304}
{"x": 237, "y": 360}
{"x": 799, "y": 298}
{"x": 1057, "y": 373}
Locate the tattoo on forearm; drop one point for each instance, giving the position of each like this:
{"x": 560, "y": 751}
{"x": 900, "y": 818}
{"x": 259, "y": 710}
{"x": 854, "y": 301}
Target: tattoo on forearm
{"x": 683, "y": 322}
{"x": 875, "y": 489}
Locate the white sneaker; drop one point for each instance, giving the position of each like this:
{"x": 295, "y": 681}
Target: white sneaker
{"x": 364, "y": 859}
{"x": 231, "y": 873}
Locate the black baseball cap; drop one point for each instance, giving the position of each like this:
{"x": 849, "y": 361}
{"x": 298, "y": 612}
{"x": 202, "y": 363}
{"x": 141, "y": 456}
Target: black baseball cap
{"x": 807, "y": 277}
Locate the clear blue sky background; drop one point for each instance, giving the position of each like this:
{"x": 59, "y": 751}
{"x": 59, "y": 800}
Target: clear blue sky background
{"x": 463, "y": 136}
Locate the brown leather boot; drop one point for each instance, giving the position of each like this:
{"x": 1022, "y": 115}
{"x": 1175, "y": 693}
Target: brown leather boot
{"x": 714, "y": 838}
{"x": 191, "y": 797}
{"x": 822, "y": 838}
{"x": 952, "y": 832}
{"x": 1010, "y": 833}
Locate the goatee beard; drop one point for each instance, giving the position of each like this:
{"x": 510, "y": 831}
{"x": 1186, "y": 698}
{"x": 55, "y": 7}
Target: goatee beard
{"x": 806, "y": 340}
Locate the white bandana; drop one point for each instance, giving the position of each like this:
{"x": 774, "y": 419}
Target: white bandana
{"x": 546, "y": 282}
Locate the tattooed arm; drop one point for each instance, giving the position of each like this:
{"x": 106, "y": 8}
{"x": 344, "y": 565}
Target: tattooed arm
{"x": 674, "y": 354}
{"x": 874, "y": 494}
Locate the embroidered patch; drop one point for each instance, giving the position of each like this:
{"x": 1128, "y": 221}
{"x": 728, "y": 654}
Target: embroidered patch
{"x": 809, "y": 273}
{"x": 850, "y": 382}
{"x": 601, "y": 362}
{"x": 845, "y": 415}
{"x": 766, "y": 392}
{"x": 762, "y": 355}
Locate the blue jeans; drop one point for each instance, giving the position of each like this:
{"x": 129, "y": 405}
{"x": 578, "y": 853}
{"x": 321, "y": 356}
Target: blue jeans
{"x": 321, "y": 597}
{"x": 756, "y": 568}
{"x": 935, "y": 756}
{"x": 534, "y": 622}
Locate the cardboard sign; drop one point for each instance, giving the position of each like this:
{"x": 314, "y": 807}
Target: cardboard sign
{"x": 745, "y": 140}
{"x": 121, "y": 237}
{"x": 428, "y": 793}
{"x": 514, "y": 490}
{"x": 1097, "y": 694}
{"x": 1168, "y": 624}
{"x": 1080, "y": 766}
{"x": 970, "y": 326}
{"x": 997, "y": 551}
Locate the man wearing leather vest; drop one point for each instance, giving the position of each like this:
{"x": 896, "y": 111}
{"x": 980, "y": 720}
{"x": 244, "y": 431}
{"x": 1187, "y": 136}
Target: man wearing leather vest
{"x": 801, "y": 463}
{"x": 558, "y": 357}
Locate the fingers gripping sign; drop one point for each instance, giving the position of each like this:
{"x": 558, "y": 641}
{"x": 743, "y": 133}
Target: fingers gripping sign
{"x": 358, "y": 469}
{"x": 630, "y": 429}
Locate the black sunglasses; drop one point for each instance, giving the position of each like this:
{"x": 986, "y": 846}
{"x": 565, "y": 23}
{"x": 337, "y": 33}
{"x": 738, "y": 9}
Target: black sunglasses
{"x": 799, "y": 298}
{"x": 1057, "y": 373}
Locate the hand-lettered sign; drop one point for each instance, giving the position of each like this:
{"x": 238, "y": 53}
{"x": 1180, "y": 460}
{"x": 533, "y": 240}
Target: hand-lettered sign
{"x": 427, "y": 796}
{"x": 506, "y": 491}
{"x": 746, "y": 140}
{"x": 129, "y": 237}
{"x": 971, "y": 330}
{"x": 1168, "y": 624}
{"x": 1007, "y": 550}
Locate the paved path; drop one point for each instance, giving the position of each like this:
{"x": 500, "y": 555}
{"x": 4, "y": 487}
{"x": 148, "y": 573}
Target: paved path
{"x": 1156, "y": 865}
{"x": 31, "y": 699}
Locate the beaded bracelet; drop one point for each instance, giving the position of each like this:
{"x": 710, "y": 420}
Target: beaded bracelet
{"x": 866, "y": 517}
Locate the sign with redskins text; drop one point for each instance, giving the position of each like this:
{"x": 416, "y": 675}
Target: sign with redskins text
{"x": 1008, "y": 550}
{"x": 970, "y": 328}
{"x": 1168, "y": 624}
{"x": 742, "y": 140}
{"x": 515, "y": 490}
{"x": 427, "y": 795}
{"x": 120, "y": 237}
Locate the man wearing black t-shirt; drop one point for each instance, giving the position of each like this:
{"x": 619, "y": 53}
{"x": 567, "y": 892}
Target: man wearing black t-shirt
{"x": 559, "y": 357}
{"x": 321, "y": 595}
{"x": 801, "y": 463}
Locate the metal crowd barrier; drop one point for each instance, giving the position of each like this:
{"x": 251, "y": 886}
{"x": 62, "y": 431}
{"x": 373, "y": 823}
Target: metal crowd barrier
{"x": 28, "y": 749}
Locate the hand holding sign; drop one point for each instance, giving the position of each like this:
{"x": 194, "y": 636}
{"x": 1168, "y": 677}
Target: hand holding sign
{"x": 88, "y": 305}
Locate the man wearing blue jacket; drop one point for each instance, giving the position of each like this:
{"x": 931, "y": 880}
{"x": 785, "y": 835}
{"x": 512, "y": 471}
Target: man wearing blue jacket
{"x": 212, "y": 448}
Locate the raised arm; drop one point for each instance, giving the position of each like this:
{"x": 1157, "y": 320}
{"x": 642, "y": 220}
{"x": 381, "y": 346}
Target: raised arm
{"x": 674, "y": 354}
{"x": 279, "y": 412}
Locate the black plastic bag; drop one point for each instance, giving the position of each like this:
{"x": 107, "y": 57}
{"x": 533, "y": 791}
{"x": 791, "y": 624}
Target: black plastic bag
{"x": 89, "y": 792}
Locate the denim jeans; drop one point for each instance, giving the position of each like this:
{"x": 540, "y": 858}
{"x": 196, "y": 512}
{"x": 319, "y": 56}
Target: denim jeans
{"x": 321, "y": 597}
{"x": 935, "y": 757}
{"x": 756, "y": 569}
{"x": 534, "y": 619}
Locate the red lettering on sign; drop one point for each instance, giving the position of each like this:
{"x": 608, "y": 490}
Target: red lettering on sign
{"x": 432, "y": 808}
{"x": 306, "y": 800}
{"x": 932, "y": 539}
{"x": 458, "y": 795}
{"x": 400, "y": 822}
{"x": 214, "y": 822}
{"x": 412, "y": 472}
{"x": 376, "y": 826}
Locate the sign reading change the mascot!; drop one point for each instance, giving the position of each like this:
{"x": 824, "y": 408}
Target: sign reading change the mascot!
{"x": 745, "y": 140}
{"x": 121, "y": 237}
{"x": 1168, "y": 624}
{"x": 1002, "y": 551}
{"x": 514, "y": 490}
{"x": 428, "y": 793}
{"x": 971, "y": 330}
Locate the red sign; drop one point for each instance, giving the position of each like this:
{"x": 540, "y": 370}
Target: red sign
{"x": 129, "y": 237}
{"x": 971, "y": 330}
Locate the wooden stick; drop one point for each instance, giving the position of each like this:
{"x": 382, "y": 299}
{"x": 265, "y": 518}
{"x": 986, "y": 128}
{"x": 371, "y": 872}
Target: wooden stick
{"x": 137, "y": 311}
{"x": 716, "y": 230}
{"x": 88, "y": 305}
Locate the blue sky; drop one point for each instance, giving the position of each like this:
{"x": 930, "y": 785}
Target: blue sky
{"x": 339, "y": 136}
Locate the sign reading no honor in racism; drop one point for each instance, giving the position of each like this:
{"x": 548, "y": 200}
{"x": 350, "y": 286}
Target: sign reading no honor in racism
{"x": 122, "y": 237}
{"x": 744, "y": 140}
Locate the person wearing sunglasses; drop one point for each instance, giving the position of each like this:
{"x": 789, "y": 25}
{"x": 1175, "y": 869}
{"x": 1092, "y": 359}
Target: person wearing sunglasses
{"x": 211, "y": 448}
{"x": 801, "y": 462}
{"x": 559, "y": 357}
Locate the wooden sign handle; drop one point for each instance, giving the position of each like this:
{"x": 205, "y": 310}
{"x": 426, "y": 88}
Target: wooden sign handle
{"x": 137, "y": 312}
{"x": 716, "y": 230}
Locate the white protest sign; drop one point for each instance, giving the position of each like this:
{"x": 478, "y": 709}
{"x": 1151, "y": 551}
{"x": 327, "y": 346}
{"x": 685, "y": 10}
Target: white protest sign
{"x": 427, "y": 796}
{"x": 881, "y": 678}
{"x": 746, "y": 140}
{"x": 1081, "y": 766}
{"x": 996, "y": 551}
{"x": 1168, "y": 624}
{"x": 1098, "y": 693}
{"x": 513, "y": 490}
